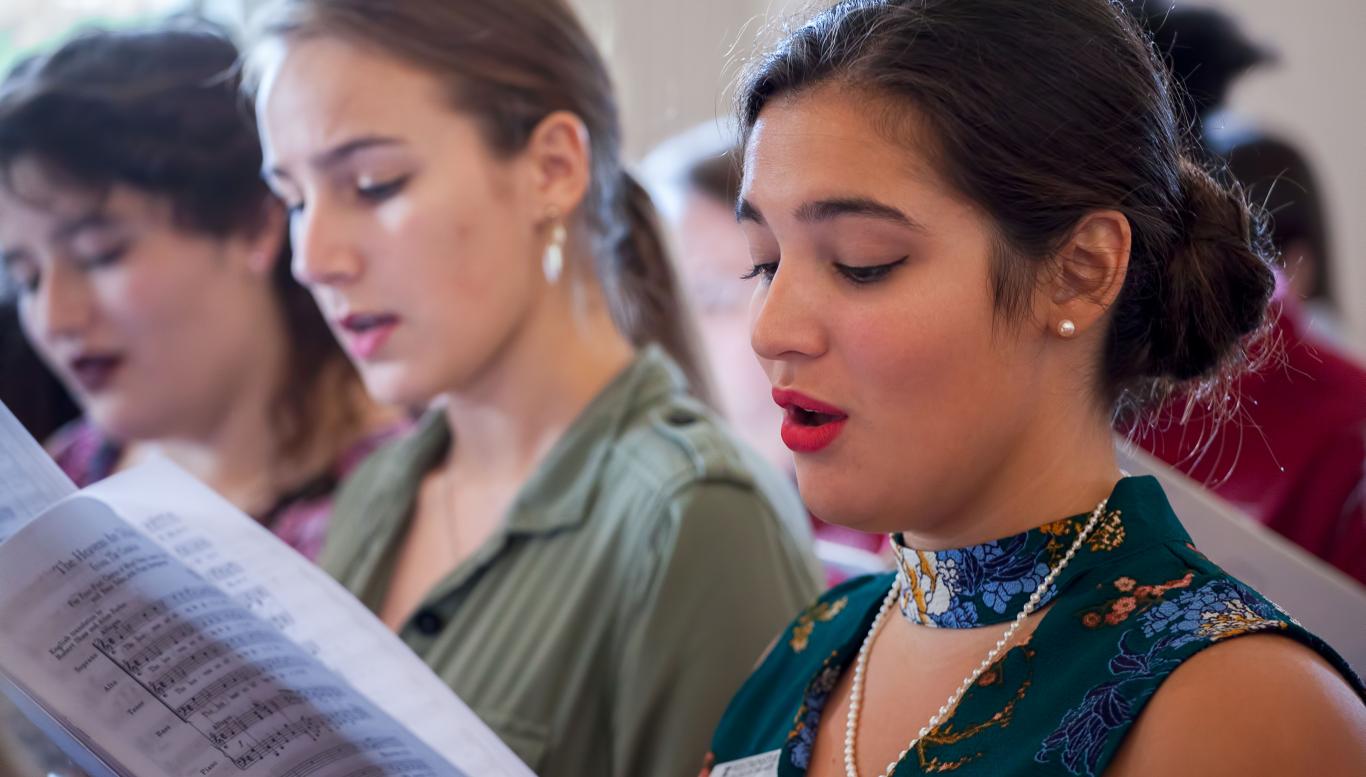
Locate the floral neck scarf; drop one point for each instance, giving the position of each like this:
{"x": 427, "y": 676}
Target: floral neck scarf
{"x": 989, "y": 583}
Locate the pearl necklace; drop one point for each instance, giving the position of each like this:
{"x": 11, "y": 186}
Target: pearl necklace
{"x": 856, "y": 690}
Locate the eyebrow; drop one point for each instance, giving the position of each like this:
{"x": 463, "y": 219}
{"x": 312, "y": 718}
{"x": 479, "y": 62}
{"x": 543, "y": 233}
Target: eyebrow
{"x": 69, "y": 229}
{"x": 338, "y": 154}
{"x": 830, "y": 209}
{"x": 65, "y": 232}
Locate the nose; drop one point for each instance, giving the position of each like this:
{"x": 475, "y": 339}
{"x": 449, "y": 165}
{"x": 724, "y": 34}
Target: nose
{"x": 62, "y": 306}
{"x": 323, "y": 253}
{"x": 785, "y": 322}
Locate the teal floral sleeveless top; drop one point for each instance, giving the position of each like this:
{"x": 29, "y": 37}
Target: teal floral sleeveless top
{"x": 1136, "y": 601}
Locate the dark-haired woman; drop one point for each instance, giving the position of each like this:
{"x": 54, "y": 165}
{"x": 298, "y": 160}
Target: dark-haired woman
{"x": 975, "y": 233}
{"x": 571, "y": 540}
{"x": 153, "y": 270}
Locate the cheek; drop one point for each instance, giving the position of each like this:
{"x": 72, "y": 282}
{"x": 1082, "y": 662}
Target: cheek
{"x": 30, "y": 322}
{"x": 153, "y": 298}
{"x": 470, "y": 248}
{"x": 929, "y": 361}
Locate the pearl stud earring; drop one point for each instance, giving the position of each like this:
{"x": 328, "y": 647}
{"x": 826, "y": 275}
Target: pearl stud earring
{"x": 1066, "y": 328}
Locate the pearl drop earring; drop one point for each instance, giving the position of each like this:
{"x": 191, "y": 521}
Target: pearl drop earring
{"x": 1066, "y": 328}
{"x": 552, "y": 263}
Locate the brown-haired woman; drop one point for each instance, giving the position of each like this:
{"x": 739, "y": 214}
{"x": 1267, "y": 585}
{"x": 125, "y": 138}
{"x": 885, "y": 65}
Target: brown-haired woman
{"x": 571, "y": 541}
{"x": 153, "y": 268}
{"x": 976, "y": 232}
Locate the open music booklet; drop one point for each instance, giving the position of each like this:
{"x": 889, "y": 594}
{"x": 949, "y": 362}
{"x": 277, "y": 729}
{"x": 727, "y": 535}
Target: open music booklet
{"x": 150, "y": 628}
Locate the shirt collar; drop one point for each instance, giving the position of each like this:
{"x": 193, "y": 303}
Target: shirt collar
{"x": 990, "y": 582}
{"x": 559, "y": 494}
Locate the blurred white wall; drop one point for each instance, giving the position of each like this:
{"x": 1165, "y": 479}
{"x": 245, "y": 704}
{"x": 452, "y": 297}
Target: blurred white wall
{"x": 1315, "y": 97}
{"x": 675, "y": 61}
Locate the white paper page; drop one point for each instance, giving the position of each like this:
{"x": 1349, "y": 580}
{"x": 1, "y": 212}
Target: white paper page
{"x": 216, "y": 540}
{"x": 171, "y": 676}
{"x": 30, "y": 481}
{"x": 51, "y": 744}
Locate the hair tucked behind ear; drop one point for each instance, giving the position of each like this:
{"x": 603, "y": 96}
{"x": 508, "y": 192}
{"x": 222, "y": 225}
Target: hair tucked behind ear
{"x": 1040, "y": 130}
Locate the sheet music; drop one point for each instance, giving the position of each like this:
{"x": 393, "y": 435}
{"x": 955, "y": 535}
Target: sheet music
{"x": 279, "y": 586}
{"x": 116, "y": 636}
{"x": 30, "y": 480}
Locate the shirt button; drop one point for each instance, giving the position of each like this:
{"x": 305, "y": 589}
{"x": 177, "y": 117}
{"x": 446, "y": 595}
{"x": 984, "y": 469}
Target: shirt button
{"x": 428, "y": 623}
{"x": 681, "y": 418}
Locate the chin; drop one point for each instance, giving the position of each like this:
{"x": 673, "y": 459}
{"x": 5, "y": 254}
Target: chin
{"x": 842, "y": 503}
{"x": 124, "y": 421}
{"x": 391, "y": 384}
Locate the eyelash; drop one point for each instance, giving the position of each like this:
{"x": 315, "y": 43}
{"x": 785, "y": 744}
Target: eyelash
{"x": 768, "y": 270}
{"x": 27, "y": 281}
{"x": 105, "y": 259}
{"x": 859, "y": 276}
{"x": 379, "y": 192}
{"x": 866, "y": 275}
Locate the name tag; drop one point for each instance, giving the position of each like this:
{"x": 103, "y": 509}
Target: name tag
{"x": 755, "y": 766}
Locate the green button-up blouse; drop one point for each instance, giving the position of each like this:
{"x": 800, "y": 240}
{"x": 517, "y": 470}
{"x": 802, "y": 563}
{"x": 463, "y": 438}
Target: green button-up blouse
{"x": 633, "y": 584}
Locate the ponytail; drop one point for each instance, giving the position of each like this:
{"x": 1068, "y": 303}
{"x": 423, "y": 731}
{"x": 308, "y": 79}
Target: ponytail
{"x": 645, "y": 296}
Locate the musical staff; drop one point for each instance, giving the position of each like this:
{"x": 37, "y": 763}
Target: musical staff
{"x": 173, "y": 669}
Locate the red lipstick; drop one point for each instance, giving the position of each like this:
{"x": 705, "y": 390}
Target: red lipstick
{"x": 366, "y": 333}
{"x": 809, "y": 425}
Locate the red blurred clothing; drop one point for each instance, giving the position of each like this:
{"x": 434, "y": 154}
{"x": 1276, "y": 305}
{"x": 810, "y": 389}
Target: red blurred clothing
{"x": 1294, "y": 457}
{"x": 300, "y": 518}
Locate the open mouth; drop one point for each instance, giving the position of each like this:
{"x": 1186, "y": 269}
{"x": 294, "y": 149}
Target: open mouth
{"x": 94, "y": 372}
{"x": 366, "y": 333}
{"x": 804, "y": 417}
{"x": 360, "y": 323}
{"x": 809, "y": 425}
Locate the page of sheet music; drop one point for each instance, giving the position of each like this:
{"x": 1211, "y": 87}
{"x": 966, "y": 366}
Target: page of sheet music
{"x": 30, "y": 480}
{"x": 117, "y": 637}
{"x": 240, "y": 557}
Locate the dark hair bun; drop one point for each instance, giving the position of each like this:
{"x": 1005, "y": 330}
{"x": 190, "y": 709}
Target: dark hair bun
{"x": 1215, "y": 288}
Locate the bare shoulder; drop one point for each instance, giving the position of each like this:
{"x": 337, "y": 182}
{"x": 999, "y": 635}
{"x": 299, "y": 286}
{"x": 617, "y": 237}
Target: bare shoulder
{"x": 1256, "y": 705}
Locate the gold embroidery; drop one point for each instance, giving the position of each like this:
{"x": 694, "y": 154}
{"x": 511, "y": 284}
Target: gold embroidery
{"x": 1109, "y": 534}
{"x": 1237, "y": 618}
{"x": 945, "y": 733}
{"x": 806, "y": 622}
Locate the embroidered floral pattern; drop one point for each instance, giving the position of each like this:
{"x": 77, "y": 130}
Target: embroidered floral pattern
{"x": 1137, "y": 598}
{"x": 1216, "y": 610}
{"x": 802, "y": 738}
{"x": 932, "y": 750}
{"x": 823, "y": 612}
{"x": 990, "y": 582}
{"x": 1081, "y": 737}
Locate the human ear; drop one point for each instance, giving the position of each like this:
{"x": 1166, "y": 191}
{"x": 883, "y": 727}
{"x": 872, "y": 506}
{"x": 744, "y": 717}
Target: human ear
{"x": 1087, "y": 273}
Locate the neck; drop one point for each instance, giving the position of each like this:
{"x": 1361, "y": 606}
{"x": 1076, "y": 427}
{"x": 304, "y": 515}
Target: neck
{"x": 1060, "y": 467}
{"x": 522, "y": 404}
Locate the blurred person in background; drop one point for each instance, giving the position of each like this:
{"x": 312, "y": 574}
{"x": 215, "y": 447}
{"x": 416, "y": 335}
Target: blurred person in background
{"x": 152, "y": 268}
{"x": 695, "y": 178}
{"x": 571, "y": 539}
{"x": 1293, "y": 455}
